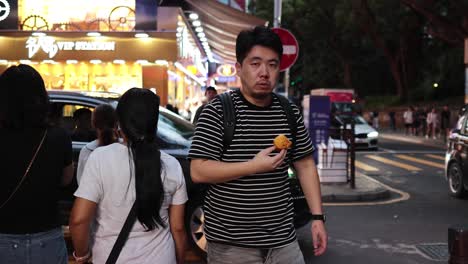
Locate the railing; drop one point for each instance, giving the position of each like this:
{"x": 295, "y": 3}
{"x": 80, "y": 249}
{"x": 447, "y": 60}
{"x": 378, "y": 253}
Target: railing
{"x": 337, "y": 136}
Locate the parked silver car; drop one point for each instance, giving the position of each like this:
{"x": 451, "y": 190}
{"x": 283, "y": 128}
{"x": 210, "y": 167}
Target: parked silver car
{"x": 365, "y": 136}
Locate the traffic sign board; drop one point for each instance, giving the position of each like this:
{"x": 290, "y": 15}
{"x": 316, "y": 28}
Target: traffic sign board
{"x": 290, "y": 48}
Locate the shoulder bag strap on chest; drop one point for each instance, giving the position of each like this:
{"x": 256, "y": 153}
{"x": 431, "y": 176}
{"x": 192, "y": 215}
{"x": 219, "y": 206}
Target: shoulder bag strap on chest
{"x": 290, "y": 116}
{"x": 229, "y": 120}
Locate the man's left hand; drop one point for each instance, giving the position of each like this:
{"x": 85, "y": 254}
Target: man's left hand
{"x": 319, "y": 237}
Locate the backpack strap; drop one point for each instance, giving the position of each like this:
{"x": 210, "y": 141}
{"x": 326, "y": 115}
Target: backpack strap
{"x": 290, "y": 116}
{"x": 229, "y": 120}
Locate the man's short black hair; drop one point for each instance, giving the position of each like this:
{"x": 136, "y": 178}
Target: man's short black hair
{"x": 259, "y": 35}
{"x": 81, "y": 113}
{"x": 210, "y": 88}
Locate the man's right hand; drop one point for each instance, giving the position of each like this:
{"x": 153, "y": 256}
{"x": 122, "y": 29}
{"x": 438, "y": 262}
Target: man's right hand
{"x": 264, "y": 161}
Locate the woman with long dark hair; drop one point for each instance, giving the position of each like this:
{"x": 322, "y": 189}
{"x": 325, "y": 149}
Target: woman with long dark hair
{"x": 35, "y": 160}
{"x": 121, "y": 174}
{"x": 104, "y": 121}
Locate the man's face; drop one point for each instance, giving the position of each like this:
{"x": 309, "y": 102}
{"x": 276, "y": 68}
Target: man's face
{"x": 210, "y": 94}
{"x": 259, "y": 72}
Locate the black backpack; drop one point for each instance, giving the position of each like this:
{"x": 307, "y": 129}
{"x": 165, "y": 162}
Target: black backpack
{"x": 230, "y": 117}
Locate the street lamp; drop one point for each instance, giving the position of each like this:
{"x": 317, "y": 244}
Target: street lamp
{"x": 436, "y": 85}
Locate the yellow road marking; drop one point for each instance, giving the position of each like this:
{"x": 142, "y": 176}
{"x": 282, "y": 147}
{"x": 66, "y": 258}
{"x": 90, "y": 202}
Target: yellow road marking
{"x": 435, "y": 157}
{"x": 425, "y": 162}
{"x": 364, "y": 166}
{"x": 394, "y": 163}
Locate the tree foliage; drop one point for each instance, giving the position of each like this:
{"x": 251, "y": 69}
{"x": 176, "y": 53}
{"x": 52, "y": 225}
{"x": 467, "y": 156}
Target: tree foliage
{"x": 376, "y": 47}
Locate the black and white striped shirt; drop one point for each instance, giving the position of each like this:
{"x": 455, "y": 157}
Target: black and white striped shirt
{"x": 255, "y": 210}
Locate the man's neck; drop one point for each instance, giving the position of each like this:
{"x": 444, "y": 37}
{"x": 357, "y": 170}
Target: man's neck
{"x": 261, "y": 102}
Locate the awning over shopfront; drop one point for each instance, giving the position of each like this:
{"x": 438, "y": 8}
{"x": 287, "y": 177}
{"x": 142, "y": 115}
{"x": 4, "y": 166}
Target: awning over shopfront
{"x": 221, "y": 24}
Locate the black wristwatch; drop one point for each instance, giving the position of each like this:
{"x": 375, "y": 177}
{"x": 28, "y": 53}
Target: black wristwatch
{"x": 318, "y": 217}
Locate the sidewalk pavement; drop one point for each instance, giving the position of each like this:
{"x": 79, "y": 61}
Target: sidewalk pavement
{"x": 367, "y": 189}
{"x": 400, "y": 136}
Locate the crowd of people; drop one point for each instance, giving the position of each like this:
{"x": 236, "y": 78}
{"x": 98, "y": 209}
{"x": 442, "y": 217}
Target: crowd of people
{"x": 427, "y": 122}
{"x": 131, "y": 196}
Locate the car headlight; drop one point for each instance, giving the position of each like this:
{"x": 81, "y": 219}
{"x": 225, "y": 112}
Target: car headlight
{"x": 373, "y": 134}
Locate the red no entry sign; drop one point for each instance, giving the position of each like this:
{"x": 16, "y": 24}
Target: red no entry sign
{"x": 290, "y": 48}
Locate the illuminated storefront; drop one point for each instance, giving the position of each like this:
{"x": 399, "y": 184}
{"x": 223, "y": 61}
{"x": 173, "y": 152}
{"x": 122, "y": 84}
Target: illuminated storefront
{"x": 75, "y": 61}
{"x": 99, "y": 46}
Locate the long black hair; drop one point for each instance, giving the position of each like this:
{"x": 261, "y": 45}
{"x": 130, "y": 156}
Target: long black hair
{"x": 138, "y": 113}
{"x": 105, "y": 120}
{"x": 24, "y": 102}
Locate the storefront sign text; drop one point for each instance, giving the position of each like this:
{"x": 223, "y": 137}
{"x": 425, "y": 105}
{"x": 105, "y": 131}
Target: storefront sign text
{"x": 50, "y": 46}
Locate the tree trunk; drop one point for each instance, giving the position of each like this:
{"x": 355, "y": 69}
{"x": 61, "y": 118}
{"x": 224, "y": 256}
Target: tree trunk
{"x": 440, "y": 26}
{"x": 368, "y": 24}
{"x": 345, "y": 62}
{"x": 397, "y": 76}
{"x": 347, "y": 75}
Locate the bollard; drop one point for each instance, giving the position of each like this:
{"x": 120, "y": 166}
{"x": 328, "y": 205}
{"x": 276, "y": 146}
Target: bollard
{"x": 458, "y": 245}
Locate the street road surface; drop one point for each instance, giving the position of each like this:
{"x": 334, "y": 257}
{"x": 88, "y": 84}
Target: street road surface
{"x": 412, "y": 231}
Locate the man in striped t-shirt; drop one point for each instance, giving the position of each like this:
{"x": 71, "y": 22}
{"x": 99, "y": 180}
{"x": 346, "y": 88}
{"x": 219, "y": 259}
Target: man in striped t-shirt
{"x": 248, "y": 208}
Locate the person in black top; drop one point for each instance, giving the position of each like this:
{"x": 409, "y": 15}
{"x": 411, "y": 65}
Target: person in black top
{"x": 82, "y": 130}
{"x": 210, "y": 94}
{"x": 36, "y": 160}
{"x": 445, "y": 121}
{"x": 391, "y": 114}
{"x": 248, "y": 207}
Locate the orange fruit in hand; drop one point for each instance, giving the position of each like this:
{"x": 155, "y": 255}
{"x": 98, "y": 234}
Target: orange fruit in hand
{"x": 282, "y": 142}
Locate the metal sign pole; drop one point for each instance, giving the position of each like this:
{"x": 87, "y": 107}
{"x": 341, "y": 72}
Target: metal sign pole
{"x": 277, "y": 24}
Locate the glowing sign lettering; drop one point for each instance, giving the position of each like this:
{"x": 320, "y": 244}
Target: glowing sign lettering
{"x": 50, "y": 46}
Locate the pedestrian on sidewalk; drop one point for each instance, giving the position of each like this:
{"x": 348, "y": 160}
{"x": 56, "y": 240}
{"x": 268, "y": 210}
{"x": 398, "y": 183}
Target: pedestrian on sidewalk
{"x": 422, "y": 116}
{"x": 416, "y": 121}
{"x": 36, "y": 163}
{"x": 132, "y": 173}
{"x": 391, "y": 115}
{"x": 445, "y": 122}
{"x": 104, "y": 121}
{"x": 375, "y": 119}
{"x": 432, "y": 123}
{"x": 408, "y": 119}
{"x": 252, "y": 167}
{"x": 210, "y": 94}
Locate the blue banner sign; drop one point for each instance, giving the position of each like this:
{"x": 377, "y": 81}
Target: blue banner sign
{"x": 317, "y": 119}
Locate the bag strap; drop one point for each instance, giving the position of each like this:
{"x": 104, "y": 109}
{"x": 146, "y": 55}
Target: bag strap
{"x": 123, "y": 235}
{"x": 27, "y": 170}
{"x": 291, "y": 117}
{"x": 229, "y": 120}
{"x": 230, "y": 117}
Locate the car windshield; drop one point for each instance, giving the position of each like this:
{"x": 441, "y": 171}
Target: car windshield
{"x": 174, "y": 132}
{"x": 358, "y": 120}
{"x": 173, "y": 128}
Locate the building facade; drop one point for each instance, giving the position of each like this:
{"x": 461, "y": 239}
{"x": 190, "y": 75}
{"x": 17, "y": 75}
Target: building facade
{"x": 106, "y": 45}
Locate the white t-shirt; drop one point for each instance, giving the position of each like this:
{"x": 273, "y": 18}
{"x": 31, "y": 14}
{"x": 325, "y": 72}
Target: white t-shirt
{"x": 431, "y": 118}
{"x": 84, "y": 155}
{"x": 408, "y": 117}
{"x": 106, "y": 181}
